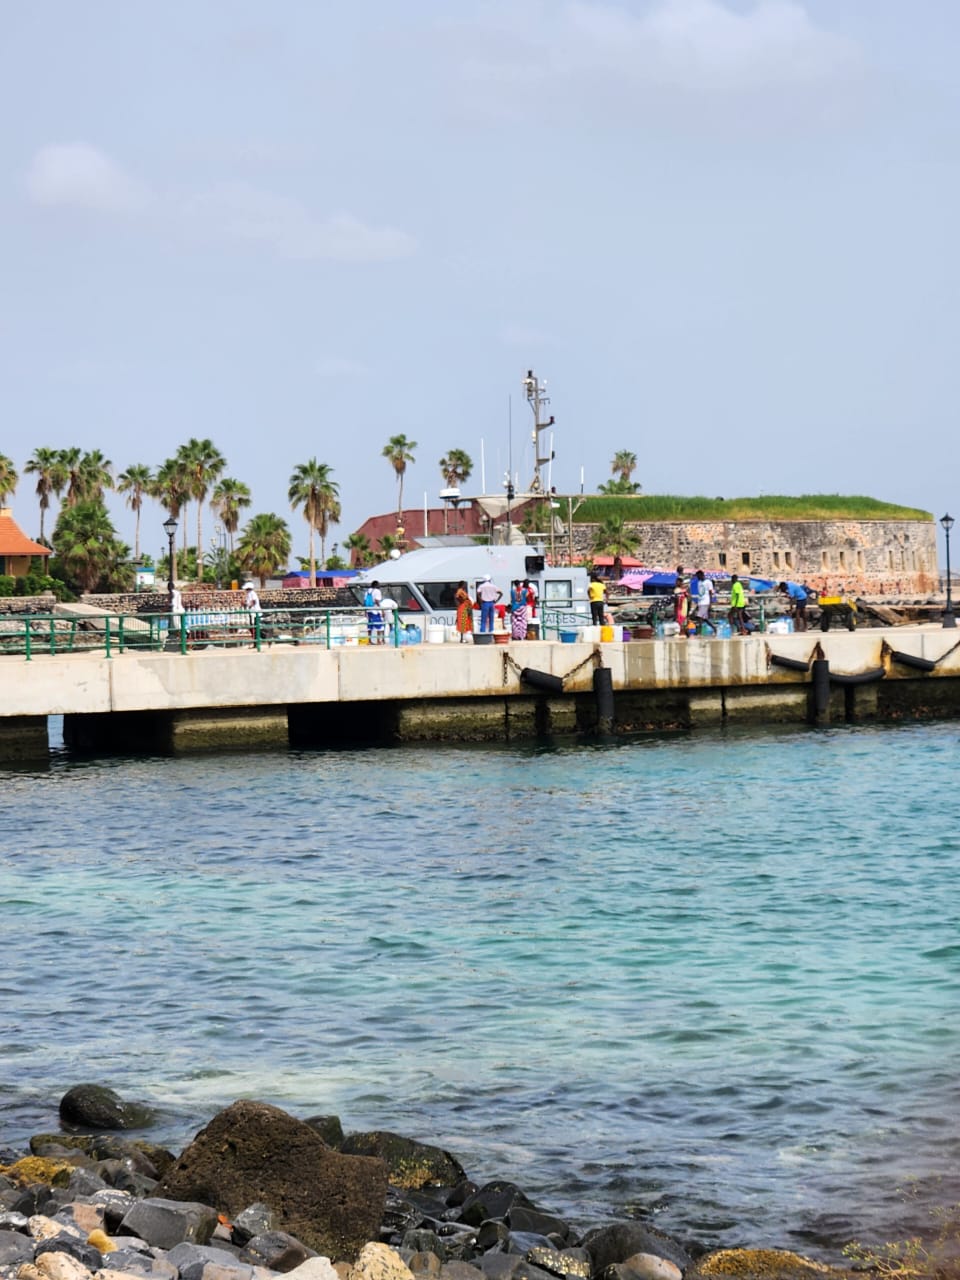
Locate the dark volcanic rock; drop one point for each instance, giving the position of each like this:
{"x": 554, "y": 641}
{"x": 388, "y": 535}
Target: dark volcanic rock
{"x": 93, "y": 1106}
{"x": 15, "y": 1248}
{"x": 621, "y": 1240}
{"x": 410, "y": 1164}
{"x": 75, "y": 1247}
{"x": 329, "y": 1128}
{"x": 276, "y": 1250}
{"x": 166, "y": 1223}
{"x": 254, "y": 1152}
{"x": 493, "y": 1200}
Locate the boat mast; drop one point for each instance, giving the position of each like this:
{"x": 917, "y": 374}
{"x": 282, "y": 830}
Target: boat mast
{"x": 536, "y": 393}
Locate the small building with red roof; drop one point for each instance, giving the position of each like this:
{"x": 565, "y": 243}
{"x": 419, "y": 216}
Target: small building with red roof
{"x": 16, "y": 549}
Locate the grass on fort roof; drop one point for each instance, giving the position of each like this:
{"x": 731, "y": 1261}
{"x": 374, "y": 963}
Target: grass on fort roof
{"x": 808, "y": 506}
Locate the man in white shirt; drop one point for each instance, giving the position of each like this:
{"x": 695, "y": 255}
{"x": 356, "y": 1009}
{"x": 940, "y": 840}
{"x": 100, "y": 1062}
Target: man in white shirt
{"x": 488, "y": 593}
{"x": 705, "y": 593}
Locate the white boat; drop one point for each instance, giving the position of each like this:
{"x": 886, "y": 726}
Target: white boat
{"x": 424, "y": 582}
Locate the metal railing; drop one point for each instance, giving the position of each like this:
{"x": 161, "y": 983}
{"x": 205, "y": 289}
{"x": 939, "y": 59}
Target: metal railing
{"x": 27, "y": 635}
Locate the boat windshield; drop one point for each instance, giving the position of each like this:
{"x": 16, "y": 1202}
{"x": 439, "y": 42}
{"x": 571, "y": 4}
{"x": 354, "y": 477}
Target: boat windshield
{"x": 439, "y": 595}
{"x": 399, "y": 591}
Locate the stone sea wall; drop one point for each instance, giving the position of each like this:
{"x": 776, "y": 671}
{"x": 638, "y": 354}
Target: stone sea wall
{"x": 867, "y": 557}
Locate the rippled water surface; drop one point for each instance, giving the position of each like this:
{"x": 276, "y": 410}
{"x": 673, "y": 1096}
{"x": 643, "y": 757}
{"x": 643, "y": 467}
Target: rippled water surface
{"x": 712, "y": 981}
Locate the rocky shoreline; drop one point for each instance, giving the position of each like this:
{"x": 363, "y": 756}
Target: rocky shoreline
{"x": 259, "y": 1193}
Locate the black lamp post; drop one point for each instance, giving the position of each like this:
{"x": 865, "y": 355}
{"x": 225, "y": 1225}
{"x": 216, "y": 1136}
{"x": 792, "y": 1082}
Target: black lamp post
{"x": 946, "y": 524}
{"x": 170, "y": 527}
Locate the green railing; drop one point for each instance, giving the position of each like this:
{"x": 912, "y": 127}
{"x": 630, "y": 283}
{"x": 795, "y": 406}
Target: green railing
{"x": 27, "y": 635}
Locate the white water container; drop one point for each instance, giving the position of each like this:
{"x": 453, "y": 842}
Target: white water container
{"x": 436, "y": 633}
{"x": 453, "y": 635}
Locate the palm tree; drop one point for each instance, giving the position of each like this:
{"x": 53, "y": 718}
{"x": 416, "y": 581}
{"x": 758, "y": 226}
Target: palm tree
{"x": 624, "y": 464}
{"x": 230, "y": 497}
{"x": 264, "y": 545}
{"x": 94, "y": 474}
{"x": 614, "y": 538}
{"x": 136, "y": 481}
{"x": 312, "y": 488}
{"x": 86, "y": 544}
{"x": 202, "y": 463}
{"x": 399, "y": 451}
{"x": 361, "y": 552}
{"x": 170, "y": 490}
{"x": 8, "y": 478}
{"x": 387, "y": 544}
{"x": 47, "y": 466}
{"x": 70, "y": 460}
{"x": 455, "y": 467}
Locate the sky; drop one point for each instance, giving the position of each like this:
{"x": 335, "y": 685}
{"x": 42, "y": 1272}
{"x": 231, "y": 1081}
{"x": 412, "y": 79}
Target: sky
{"x": 722, "y": 230}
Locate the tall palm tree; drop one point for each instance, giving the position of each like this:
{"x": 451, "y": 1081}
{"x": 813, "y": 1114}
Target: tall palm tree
{"x": 46, "y": 465}
{"x": 361, "y": 552}
{"x": 264, "y": 545}
{"x": 230, "y": 497}
{"x": 399, "y": 451}
{"x": 312, "y": 488}
{"x": 135, "y": 481}
{"x": 70, "y": 469}
{"x": 94, "y": 475}
{"x": 203, "y": 463}
{"x": 455, "y": 467}
{"x": 170, "y": 490}
{"x": 8, "y": 478}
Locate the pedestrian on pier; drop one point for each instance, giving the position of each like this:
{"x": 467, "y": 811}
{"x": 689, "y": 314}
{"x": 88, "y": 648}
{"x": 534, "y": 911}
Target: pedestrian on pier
{"x": 488, "y": 594}
{"x": 738, "y": 603}
{"x": 705, "y": 590}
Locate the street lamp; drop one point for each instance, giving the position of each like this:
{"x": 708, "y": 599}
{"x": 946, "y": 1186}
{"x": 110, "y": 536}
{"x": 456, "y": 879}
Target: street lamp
{"x": 946, "y": 524}
{"x": 170, "y": 528}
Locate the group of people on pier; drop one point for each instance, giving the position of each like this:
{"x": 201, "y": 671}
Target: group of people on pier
{"x": 493, "y": 609}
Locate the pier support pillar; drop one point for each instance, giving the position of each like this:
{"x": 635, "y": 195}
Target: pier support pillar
{"x": 239, "y": 727}
{"x": 23, "y": 739}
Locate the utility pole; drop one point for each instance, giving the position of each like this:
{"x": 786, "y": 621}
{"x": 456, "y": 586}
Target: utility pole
{"x": 535, "y": 390}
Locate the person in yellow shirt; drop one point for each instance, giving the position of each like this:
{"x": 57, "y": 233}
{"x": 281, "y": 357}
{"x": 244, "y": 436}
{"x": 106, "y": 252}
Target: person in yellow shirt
{"x": 597, "y": 597}
{"x": 738, "y": 602}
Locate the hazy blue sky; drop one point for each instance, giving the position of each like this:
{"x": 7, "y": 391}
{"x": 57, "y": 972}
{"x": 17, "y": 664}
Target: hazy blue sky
{"x": 723, "y": 230}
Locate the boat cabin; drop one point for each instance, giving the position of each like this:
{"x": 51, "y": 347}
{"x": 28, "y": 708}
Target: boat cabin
{"x": 424, "y": 582}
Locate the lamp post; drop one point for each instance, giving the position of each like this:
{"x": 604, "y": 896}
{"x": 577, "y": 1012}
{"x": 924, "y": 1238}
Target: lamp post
{"x": 946, "y": 524}
{"x": 170, "y": 528}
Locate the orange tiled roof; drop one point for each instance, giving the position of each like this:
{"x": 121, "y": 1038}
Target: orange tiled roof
{"x": 13, "y": 541}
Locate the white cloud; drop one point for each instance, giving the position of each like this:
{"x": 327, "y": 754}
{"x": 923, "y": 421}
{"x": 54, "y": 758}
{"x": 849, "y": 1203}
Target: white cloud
{"x": 246, "y": 213}
{"x": 80, "y": 176}
{"x": 76, "y": 175}
{"x": 587, "y": 52}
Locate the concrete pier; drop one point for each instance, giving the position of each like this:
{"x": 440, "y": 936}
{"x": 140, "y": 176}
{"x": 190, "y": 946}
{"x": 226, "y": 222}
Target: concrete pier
{"x": 233, "y": 698}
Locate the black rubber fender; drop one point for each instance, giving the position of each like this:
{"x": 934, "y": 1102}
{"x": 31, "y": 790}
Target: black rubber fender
{"x": 542, "y": 680}
{"x": 862, "y": 677}
{"x": 910, "y": 660}
{"x": 791, "y": 664}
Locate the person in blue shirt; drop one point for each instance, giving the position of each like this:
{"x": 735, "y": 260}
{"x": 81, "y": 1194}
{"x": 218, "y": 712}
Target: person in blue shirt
{"x": 797, "y": 596}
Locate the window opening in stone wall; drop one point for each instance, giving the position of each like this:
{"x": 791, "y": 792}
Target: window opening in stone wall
{"x": 788, "y": 559}
{"x": 722, "y": 559}
{"x": 842, "y": 556}
{"x": 860, "y": 560}
{"x": 824, "y": 560}
{"x": 890, "y": 560}
{"x": 776, "y": 559}
{"x": 745, "y": 559}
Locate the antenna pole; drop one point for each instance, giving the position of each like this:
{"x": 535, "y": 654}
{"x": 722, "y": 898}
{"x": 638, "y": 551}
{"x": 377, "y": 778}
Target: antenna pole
{"x": 535, "y": 390}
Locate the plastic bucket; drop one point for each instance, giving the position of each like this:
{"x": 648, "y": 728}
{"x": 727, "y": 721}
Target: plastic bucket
{"x": 606, "y": 634}
{"x": 568, "y": 637}
{"x": 533, "y": 629}
{"x": 436, "y": 634}
{"x": 483, "y": 637}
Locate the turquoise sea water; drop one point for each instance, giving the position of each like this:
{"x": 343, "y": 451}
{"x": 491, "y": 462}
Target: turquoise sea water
{"x": 708, "y": 981}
